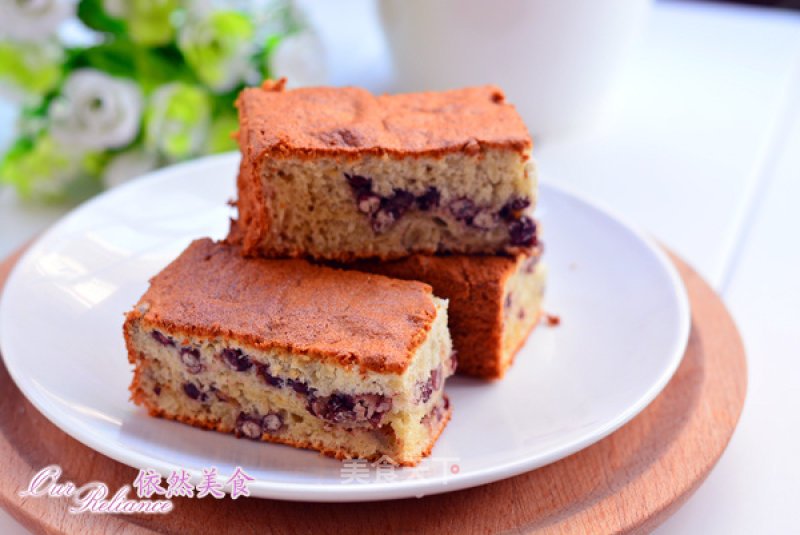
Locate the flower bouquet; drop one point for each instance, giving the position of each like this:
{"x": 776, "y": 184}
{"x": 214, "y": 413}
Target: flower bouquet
{"x": 111, "y": 89}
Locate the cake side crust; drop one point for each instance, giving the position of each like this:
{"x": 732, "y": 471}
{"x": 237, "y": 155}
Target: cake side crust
{"x": 474, "y": 286}
{"x": 477, "y": 288}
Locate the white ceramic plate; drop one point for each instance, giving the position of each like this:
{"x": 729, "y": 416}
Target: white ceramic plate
{"x": 625, "y": 323}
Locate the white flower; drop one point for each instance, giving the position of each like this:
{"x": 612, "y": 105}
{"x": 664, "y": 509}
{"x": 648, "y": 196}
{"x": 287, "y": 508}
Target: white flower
{"x": 96, "y": 111}
{"x": 128, "y": 165}
{"x": 300, "y": 58}
{"x": 32, "y": 20}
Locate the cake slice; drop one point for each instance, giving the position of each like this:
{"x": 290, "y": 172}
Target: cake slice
{"x": 494, "y": 302}
{"x": 339, "y": 174}
{"x": 347, "y": 363}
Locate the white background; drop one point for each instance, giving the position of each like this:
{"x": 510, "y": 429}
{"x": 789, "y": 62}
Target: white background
{"x": 701, "y": 147}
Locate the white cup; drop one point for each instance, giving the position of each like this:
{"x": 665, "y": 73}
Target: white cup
{"x": 556, "y": 60}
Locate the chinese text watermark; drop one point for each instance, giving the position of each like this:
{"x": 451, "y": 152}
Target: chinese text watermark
{"x": 151, "y": 495}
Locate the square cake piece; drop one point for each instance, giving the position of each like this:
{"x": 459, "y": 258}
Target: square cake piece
{"x": 339, "y": 174}
{"x": 348, "y": 363}
{"x": 494, "y": 302}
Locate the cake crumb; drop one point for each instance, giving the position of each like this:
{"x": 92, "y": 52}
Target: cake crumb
{"x": 553, "y": 320}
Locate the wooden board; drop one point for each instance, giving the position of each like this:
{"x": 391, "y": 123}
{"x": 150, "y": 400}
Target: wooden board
{"x": 627, "y": 483}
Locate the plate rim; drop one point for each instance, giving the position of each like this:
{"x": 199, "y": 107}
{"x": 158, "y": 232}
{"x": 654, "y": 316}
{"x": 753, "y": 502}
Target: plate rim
{"x": 373, "y": 491}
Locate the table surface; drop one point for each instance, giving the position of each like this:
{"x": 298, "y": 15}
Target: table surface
{"x": 700, "y": 146}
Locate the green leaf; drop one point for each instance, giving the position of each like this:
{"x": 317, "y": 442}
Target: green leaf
{"x": 150, "y": 67}
{"x": 116, "y": 58}
{"x": 219, "y": 135}
{"x": 42, "y": 169}
{"x": 17, "y": 149}
{"x": 149, "y": 22}
{"x": 262, "y": 56}
{"x": 157, "y": 66}
{"x": 93, "y": 163}
{"x": 32, "y": 67}
{"x": 27, "y": 161}
{"x": 92, "y": 14}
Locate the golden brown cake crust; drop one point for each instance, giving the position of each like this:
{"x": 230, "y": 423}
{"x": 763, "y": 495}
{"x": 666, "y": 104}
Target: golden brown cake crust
{"x": 349, "y": 121}
{"x": 474, "y": 285}
{"x": 344, "y": 317}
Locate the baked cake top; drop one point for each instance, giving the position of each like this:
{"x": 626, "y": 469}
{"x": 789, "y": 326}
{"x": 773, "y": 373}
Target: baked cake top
{"x": 349, "y": 121}
{"x": 346, "y": 317}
